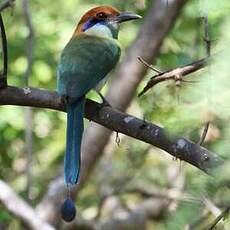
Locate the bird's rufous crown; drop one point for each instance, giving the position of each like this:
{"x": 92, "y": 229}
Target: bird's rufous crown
{"x": 95, "y": 13}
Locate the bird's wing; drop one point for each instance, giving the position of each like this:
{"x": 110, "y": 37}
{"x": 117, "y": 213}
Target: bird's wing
{"x": 84, "y": 62}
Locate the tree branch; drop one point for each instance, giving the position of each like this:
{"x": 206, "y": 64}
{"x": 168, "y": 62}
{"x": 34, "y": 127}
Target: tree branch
{"x": 3, "y": 74}
{"x": 19, "y": 208}
{"x": 178, "y": 147}
{"x": 221, "y": 216}
{"x": 6, "y": 4}
{"x": 174, "y": 73}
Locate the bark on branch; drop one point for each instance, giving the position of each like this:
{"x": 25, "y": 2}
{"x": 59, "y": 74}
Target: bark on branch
{"x": 173, "y": 74}
{"x": 113, "y": 119}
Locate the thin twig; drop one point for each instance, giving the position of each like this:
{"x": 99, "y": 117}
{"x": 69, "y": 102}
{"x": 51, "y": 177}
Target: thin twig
{"x": 28, "y": 111}
{"x": 208, "y": 53}
{"x": 222, "y": 215}
{"x": 148, "y": 65}
{"x": 30, "y": 41}
{"x": 28, "y": 115}
{"x": 204, "y": 134}
{"x": 207, "y": 37}
{"x": 117, "y": 139}
{"x": 3, "y": 75}
{"x": 174, "y": 73}
{"x": 171, "y": 194}
{"x": 6, "y": 4}
{"x": 211, "y": 206}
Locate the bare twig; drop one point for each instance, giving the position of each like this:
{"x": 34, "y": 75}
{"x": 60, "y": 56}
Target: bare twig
{"x": 19, "y": 208}
{"x": 3, "y": 75}
{"x": 30, "y": 41}
{"x": 174, "y": 73}
{"x": 119, "y": 122}
{"x": 211, "y": 206}
{"x": 148, "y": 65}
{"x": 28, "y": 111}
{"x": 171, "y": 194}
{"x": 207, "y": 37}
{"x": 208, "y": 53}
{"x": 28, "y": 114}
{"x": 6, "y": 4}
{"x": 117, "y": 139}
{"x": 204, "y": 134}
{"x": 222, "y": 215}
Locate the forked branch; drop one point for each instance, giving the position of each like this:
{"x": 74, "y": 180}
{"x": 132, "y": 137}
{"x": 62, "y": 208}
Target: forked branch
{"x": 173, "y": 74}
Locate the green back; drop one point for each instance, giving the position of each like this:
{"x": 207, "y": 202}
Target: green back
{"x": 84, "y": 62}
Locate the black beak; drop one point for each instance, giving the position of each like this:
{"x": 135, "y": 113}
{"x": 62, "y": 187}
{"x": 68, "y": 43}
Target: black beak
{"x": 127, "y": 16}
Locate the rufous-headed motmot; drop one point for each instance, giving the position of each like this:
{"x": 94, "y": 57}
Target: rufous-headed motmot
{"x": 88, "y": 57}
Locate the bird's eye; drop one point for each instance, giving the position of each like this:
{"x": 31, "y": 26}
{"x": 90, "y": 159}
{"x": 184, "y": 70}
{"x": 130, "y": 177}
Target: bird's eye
{"x": 101, "y": 15}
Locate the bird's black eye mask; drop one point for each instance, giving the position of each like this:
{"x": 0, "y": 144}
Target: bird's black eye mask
{"x": 99, "y": 18}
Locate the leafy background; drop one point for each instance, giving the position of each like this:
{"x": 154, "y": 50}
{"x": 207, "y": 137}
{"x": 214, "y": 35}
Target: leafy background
{"x": 182, "y": 110}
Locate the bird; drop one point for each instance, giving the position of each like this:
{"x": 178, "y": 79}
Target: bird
{"x": 91, "y": 53}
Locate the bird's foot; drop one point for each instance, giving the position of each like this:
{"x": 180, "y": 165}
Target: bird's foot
{"x": 65, "y": 99}
{"x": 104, "y": 101}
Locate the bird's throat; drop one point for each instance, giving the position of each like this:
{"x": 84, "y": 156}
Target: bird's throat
{"x": 101, "y": 30}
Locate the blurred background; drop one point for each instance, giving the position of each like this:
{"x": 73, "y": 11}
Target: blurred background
{"x": 129, "y": 185}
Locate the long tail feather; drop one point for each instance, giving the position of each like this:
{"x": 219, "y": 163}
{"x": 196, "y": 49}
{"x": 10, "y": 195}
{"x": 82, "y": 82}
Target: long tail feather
{"x": 75, "y": 127}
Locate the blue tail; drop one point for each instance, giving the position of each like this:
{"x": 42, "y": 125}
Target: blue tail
{"x": 75, "y": 127}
